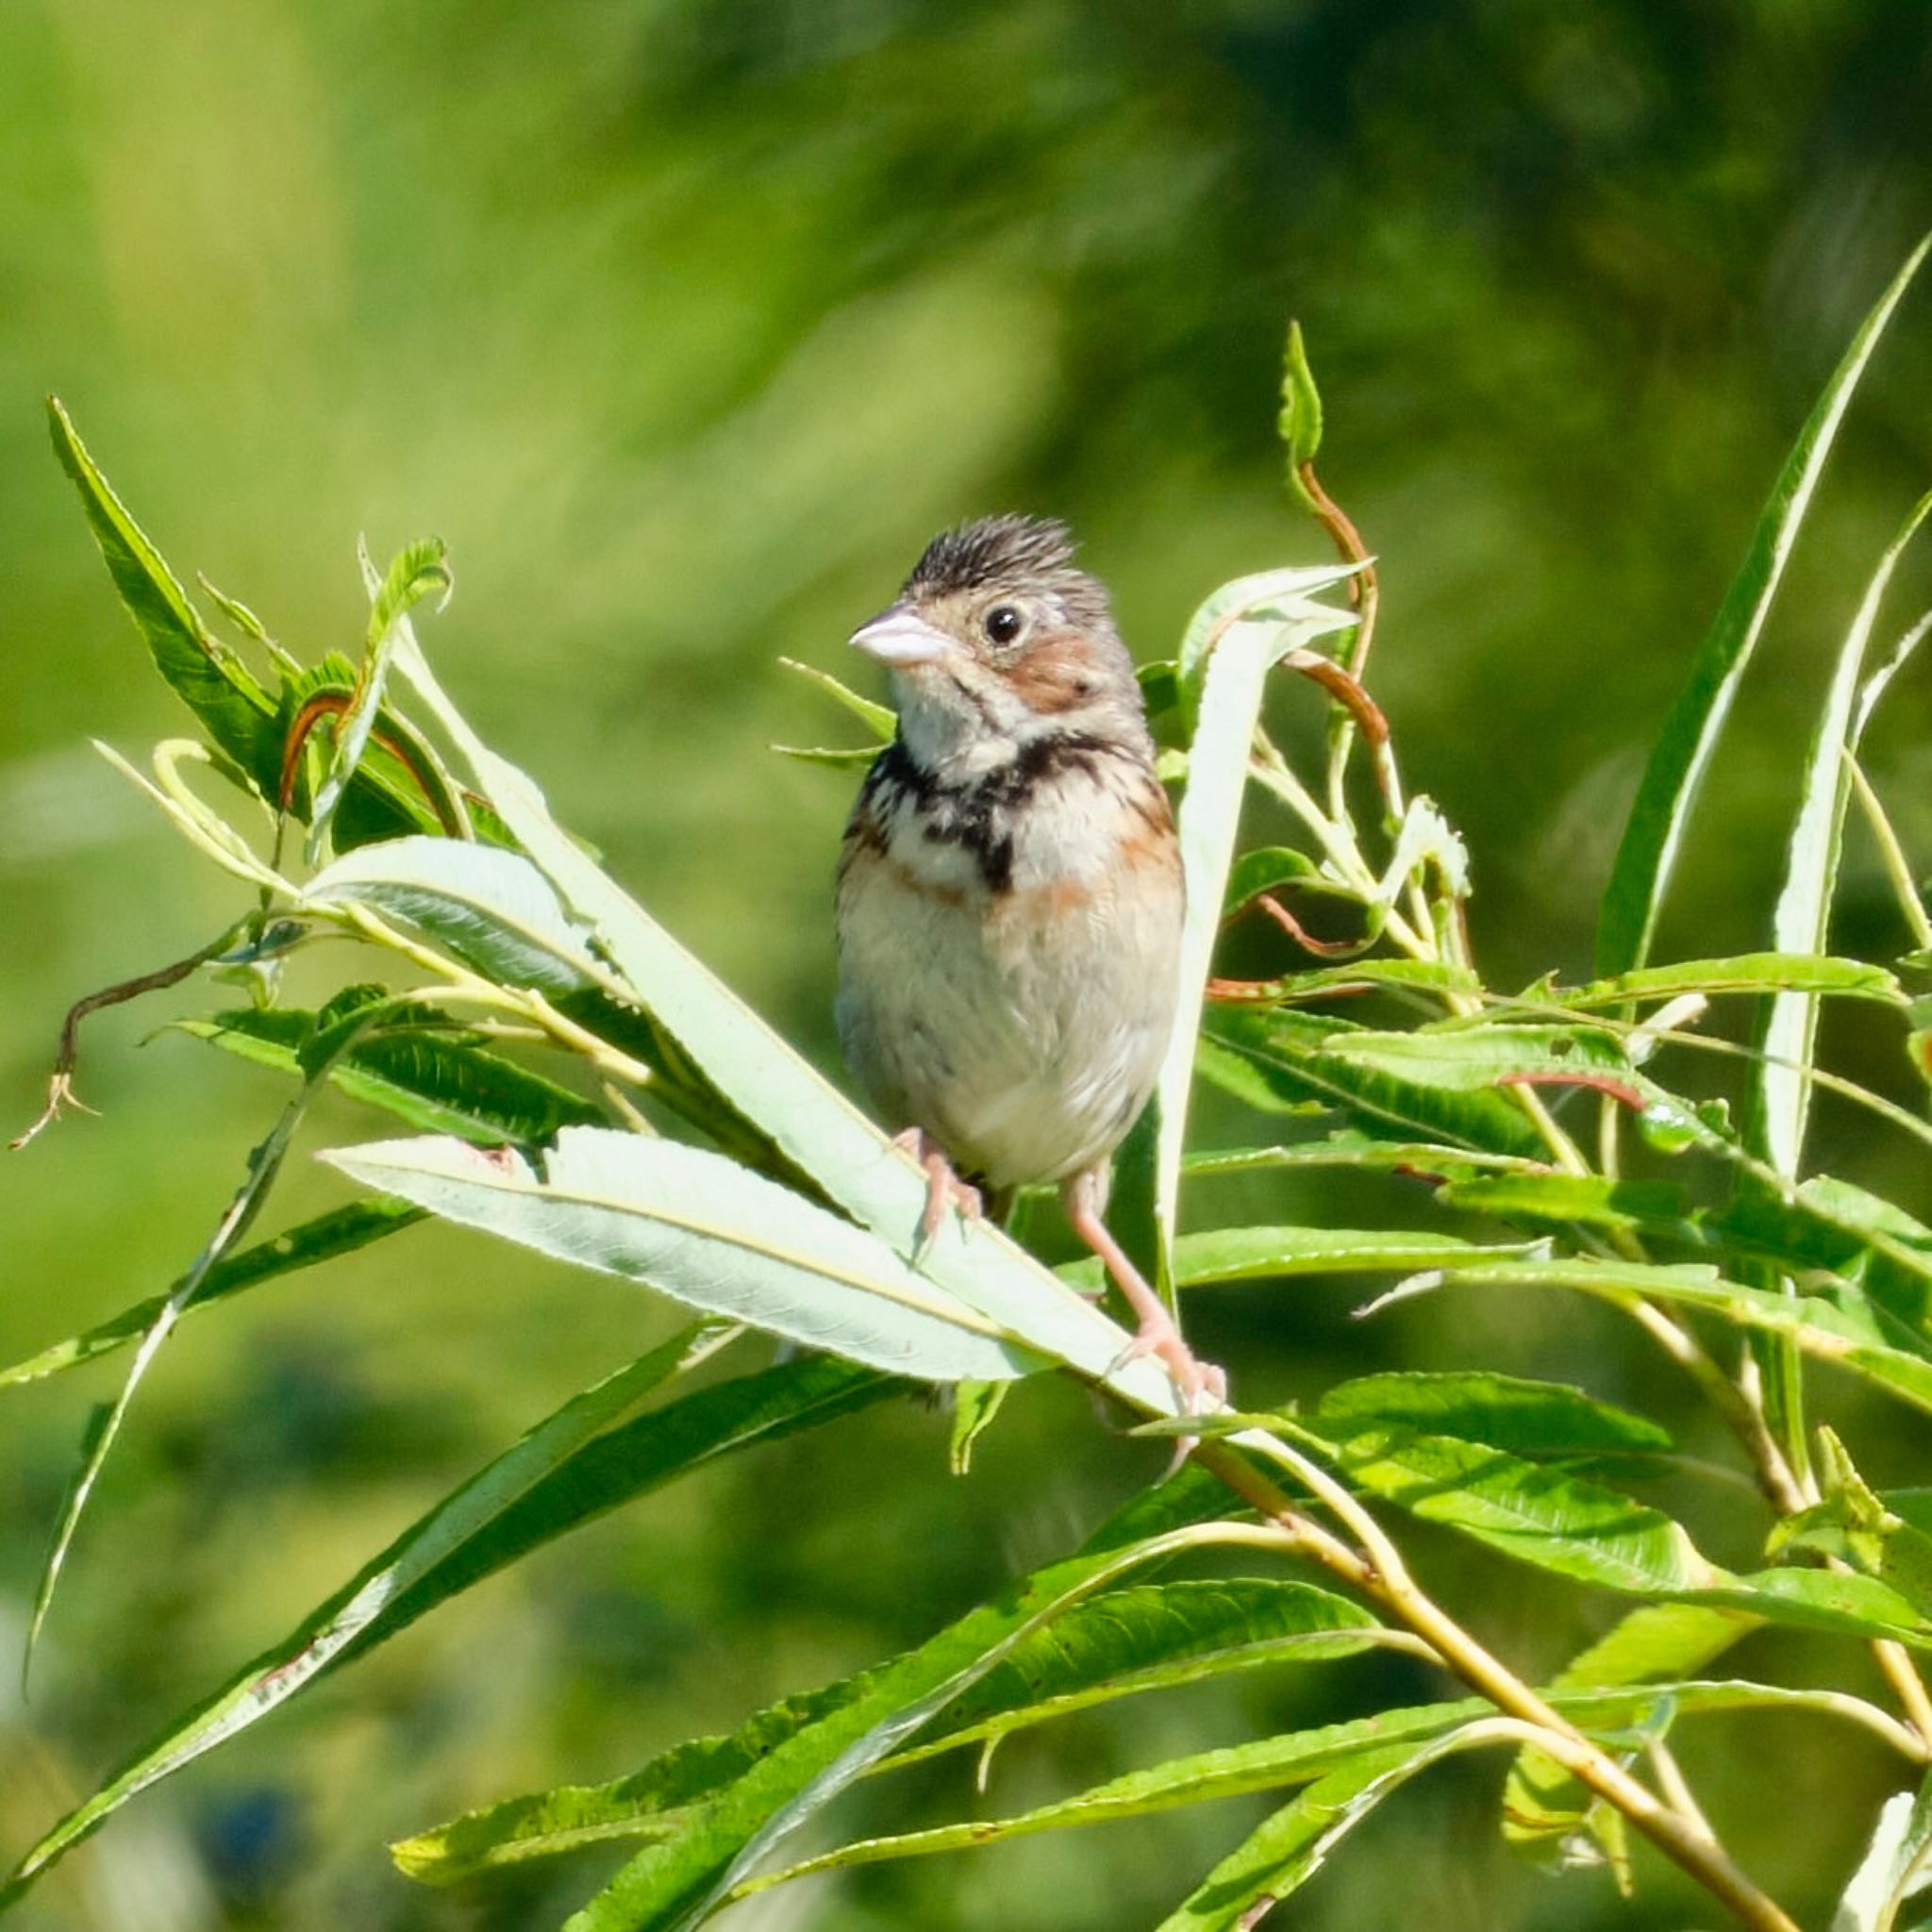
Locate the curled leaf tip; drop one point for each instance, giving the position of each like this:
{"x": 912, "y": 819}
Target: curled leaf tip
{"x": 1301, "y": 414}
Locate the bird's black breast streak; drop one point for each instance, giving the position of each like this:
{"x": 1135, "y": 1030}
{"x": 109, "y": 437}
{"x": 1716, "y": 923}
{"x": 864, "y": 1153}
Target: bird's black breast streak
{"x": 979, "y": 815}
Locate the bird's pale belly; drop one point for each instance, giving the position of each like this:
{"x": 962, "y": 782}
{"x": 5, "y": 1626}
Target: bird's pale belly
{"x": 1025, "y": 1038}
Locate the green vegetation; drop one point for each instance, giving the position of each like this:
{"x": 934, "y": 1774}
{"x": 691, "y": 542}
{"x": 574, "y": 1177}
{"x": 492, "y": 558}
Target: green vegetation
{"x": 686, "y": 326}
{"x": 687, "y": 1148}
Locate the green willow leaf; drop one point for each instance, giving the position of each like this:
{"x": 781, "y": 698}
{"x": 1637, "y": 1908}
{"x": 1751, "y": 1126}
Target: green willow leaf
{"x": 1119, "y": 1644}
{"x": 492, "y": 909}
{"x": 1613, "y": 1716}
{"x": 845, "y": 757}
{"x": 1301, "y": 413}
{"x": 1263, "y": 1254}
{"x": 706, "y": 1231}
{"x": 242, "y": 719}
{"x": 1545, "y": 1808}
{"x": 1843, "y": 1328}
{"x": 1896, "y": 1868}
{"x": 879, "y": 719}
{"x": 1351, "y": 1148}
{"x": 1149, "y": 1636}
{"x": 238, "y": 714}
{"x": 1284, "y": 1852}
{"x": 1464, "y": 1058}
{"x": 1547, "y": 1517}
{"x": 1780, "y": 1093}
{"x": 1528, "y": 1418}
{"x": 435, "y": 1078}
{"x": 1299, "y": 1060}
{"x": 1682, "y": 753}
{"x": 1233, "y": 640}
{"x": 578, "y": 1463}
{"x": 676, "y": 1881}
{"x": 340, "y": 1232}
{"x": 1746, "y": 972}
{"x": 1264, "y": 869}
{"x": 264, "y": 1164}
{"x": 1547, "y": 1200}
{"x": 420, "y": 569}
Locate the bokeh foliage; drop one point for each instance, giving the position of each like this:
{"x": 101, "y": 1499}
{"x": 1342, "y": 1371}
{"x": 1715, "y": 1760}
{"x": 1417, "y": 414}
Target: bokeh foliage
{"x": 686, "y": 326}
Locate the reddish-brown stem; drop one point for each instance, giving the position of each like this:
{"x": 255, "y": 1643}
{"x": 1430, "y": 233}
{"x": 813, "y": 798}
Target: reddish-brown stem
{"x": 334, "y": 703}
{"x": 1364, "y": 590}
{"x": 60, "y": 1086}
{"x": 1619, "y": 1090}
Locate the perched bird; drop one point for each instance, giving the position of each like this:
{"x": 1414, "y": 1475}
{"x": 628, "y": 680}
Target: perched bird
{"x": 1009, "y": 891}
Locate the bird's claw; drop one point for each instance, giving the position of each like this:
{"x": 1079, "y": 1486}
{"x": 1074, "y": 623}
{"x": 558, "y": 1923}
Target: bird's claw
{"x": 1202, "y": 1385}
{"x": 943, "y": 1188}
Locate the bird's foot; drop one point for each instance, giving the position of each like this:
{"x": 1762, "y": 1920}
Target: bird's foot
{"x": 943, "y": 1188}
{"x": 1202, "y": 1385}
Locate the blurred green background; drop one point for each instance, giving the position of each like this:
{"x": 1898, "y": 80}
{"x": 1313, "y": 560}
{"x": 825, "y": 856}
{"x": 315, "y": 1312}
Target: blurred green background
{"x": 685, "y": 324}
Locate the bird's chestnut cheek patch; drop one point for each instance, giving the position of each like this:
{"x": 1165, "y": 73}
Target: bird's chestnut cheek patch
{"x": 1053, "y": 676}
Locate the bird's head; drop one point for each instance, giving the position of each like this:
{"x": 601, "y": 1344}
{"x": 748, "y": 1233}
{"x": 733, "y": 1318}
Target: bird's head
{"x": 997, "y": 640}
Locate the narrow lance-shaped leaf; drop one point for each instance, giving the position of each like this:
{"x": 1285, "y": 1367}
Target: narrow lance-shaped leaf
{"x": 435, "y": 1076}
{"x": 707, "y": 1231}
{"x": 1228, "y": 655}
{"x": 1221, "y": 1255}
{"x": 1292, "y": 1059}
{"x": 1781, "y": 1081}
{"x": 1545, "y": 1808}
{"x": 572, "y": 1467}
{"x": 1295, "y": 1759}
{"x": 1118, "y": 1643}
{"x": 264, "y": 1164}
{"x": 1682, "y": 754}
{"x": 1896, "y": 1868}
{"x": 1284, "y": 1852}
{"x": 238, "y": 714}
{"x": 492, "y": 908}
{"x": 418, "y": 571}
{"x": 1746, "y": 973}
{"x": 678, "y": 1880}
{"x": 1845, "y": 1329}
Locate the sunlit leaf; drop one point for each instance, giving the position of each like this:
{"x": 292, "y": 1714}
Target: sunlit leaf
{"x": 1747, "y": 972}
{"x": 677, "y": 1880}
{"x": 435, "y": 1078}
{"x": 1781, "y": 1082}
{"x": 1682, "y": 751}
{"x": 1844, "y": 1329}
{"x": 1548, "y": 1810}
{"x": 1272, "y": 1763}
{"x": 1897, "y": 1865}
{"x": 1543, "y": 1516}
{"x": 706, "y": 1231}
{"x": 1301, "y": 1059}
{"x": 1545, "y": 1200}
{"x": 879, "y": 719}
{"x": 1528, "y": 1418}
{"x": 1225, "y": 658}
{"x": 492, "y": 909}
{"x": 1284, "y": 1852}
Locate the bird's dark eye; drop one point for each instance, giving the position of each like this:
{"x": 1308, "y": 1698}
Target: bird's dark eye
{"x": 1004, "y": 623}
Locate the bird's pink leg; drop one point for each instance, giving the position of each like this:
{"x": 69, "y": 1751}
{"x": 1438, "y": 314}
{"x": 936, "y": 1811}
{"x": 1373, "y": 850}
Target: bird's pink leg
{"x": 943, "y": 1188}
{"x": 1200, "y": 1384}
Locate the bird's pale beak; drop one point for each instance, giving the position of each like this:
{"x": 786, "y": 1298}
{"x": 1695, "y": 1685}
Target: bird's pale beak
{"x": 900, "y": 637}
